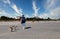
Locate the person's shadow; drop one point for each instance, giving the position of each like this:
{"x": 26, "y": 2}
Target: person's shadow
{"x": 27, "y": 27}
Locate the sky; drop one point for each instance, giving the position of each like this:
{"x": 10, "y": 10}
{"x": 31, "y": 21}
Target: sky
{"x": 30, "y": 8}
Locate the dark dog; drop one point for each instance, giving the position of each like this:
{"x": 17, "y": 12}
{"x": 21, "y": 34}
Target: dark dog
{"x": 27, "y": 27}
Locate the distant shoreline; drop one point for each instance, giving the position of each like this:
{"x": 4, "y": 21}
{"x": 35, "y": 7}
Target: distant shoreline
{"x": 26, "y": 21}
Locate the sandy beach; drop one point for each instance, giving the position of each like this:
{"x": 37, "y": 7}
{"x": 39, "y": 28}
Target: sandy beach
{"x": 38, "y": 30}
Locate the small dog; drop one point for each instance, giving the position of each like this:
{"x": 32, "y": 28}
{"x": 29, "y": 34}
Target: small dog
{"x": 13, "y": 28}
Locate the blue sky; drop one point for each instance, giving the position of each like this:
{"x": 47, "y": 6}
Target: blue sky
{"x": 30, "y": 8}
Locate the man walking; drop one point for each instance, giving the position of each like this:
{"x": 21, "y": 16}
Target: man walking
{"x": 23, "y": 21}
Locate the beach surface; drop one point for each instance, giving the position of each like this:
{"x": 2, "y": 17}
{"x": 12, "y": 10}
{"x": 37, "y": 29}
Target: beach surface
{"x": 38, "y": 30}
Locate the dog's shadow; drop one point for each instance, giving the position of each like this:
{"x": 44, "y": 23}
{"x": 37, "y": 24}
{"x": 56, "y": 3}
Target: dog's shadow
{"x": 27, "y": 27}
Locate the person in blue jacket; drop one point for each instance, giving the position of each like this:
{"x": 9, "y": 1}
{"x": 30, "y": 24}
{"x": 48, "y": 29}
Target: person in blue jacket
{"x": 23, "y": 21}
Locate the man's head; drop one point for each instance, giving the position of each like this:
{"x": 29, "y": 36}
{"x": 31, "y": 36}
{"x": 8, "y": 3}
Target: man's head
{"x": 22, "y": 15}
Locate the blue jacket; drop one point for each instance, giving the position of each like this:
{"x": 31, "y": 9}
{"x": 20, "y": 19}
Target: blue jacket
{"x": 23, "y": 20}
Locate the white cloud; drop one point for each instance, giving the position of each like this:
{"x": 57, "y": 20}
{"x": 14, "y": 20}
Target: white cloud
{"x": 14, "y": 7}
{"x": 18, "y": 11}
{"x": 27, "y": 16}
{"x": 50, "y": 3}
{"x": 55, "y": 13}
{"x": 35, "y": 8}
{"x": 7, "y": 1}
{"x": 51, "y": 9}
{"x": 45, "y": 15}
{"x": 4, "y": 13}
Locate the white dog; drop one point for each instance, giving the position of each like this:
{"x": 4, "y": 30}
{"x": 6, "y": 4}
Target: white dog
{"x": 12, "y": 28}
